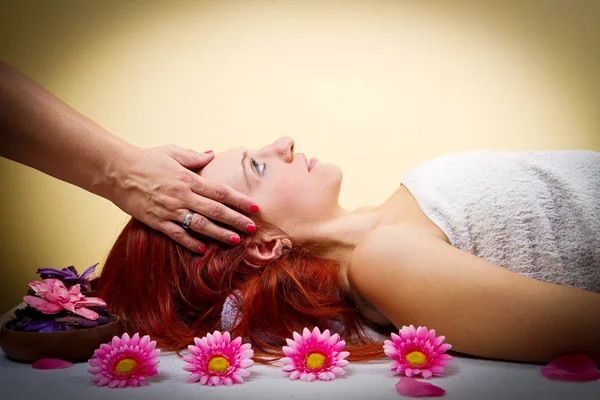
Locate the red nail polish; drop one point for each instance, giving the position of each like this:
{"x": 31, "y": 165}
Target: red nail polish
{"x": 234, "y": 239}
{"x": 253, "y": 208}
{"x": 208, "y": 152}
{"x": 250, "y": 228}
{"x": 202, "y": 249}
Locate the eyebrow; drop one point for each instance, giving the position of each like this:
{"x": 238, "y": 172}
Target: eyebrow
{"x": 244, "y": 169}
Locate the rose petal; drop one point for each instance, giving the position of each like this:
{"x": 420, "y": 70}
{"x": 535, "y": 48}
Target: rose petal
{"x": 413, "y": 388}
{"x": 51, "y": 363}
{"x": 578, "y": 368}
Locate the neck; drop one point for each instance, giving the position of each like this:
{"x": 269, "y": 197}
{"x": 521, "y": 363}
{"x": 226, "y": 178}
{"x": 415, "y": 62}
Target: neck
{"x": 346, "y": 229}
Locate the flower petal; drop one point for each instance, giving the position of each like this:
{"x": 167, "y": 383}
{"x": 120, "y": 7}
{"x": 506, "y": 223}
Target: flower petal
{"x": 393, "y": 354}
{"x": 297, "y": 337}
{"x": 246, "y": 363}
{"x": 306, "y": 334}
{"x": 288, "y": 351}
{"x": 295, "y": 375}
{"x": 291, "y": 343}
{"x": 190, "y": 368}
{"x": 323, "y": 376}
{"x": 86, "y": 313}
{"x": 413, "y": 388}
{"x": 422, "y": 333}
{"x": 88, "y": 271}
{"x": 42, "y": 305}
{"x": 51, "y": 363}
{"x": 578, "y": 368}
{"x": 193, "y": 378}
{"x": 91, "y": 301}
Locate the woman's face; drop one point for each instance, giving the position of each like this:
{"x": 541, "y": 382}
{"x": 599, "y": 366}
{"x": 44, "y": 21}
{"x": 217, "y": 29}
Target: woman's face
{"x": 289, "y": 193}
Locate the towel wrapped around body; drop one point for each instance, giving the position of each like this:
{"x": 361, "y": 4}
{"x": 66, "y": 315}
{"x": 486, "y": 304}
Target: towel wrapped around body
{"x": 536, "y": 213}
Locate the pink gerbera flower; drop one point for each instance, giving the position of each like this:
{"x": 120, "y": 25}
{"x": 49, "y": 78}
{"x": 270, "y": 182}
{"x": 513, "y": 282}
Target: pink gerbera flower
{"x": 417, "y": 352}
{"x": 315, "y": 355}
{"x": 124, "y": 362}
{"x": 216, "y": 360}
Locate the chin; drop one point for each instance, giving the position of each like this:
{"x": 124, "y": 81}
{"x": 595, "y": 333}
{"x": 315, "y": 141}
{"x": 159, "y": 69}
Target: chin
{"x": 328, "y": 172}
{"x": 332, "y": 175}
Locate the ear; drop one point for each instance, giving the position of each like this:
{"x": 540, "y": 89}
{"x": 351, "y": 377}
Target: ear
{"x": 263, "y": 252}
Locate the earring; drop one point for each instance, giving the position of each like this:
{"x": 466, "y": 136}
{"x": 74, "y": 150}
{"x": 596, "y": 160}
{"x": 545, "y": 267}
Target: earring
{"x": 286, "y": 249}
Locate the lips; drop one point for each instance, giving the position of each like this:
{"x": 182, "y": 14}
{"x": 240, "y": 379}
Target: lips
{"x": 305, "y": 160}
{"x": 309, "y": 163}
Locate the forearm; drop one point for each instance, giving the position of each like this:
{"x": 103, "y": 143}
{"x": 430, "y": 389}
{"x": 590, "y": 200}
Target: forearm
{"x": 41, "y": 131}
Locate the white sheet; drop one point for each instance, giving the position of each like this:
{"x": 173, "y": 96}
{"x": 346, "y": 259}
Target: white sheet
{"x": 465, "y": 378}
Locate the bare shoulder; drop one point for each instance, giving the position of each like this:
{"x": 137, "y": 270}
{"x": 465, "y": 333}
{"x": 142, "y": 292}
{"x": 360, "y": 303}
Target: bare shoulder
{"x": 378, "y": 248}
{"x": 388, "y": 243}
{"x": 413, "y": 277}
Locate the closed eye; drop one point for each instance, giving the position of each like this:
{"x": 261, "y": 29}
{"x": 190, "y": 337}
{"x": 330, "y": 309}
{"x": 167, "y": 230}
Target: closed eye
{"x": 259, "y": 167}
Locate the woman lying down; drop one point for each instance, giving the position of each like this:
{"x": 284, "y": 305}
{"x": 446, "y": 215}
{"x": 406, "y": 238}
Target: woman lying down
{"x": 498, "y": 251}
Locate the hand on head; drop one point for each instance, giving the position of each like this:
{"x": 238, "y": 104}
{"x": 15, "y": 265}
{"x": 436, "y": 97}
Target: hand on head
{"x": 158, "y": 187}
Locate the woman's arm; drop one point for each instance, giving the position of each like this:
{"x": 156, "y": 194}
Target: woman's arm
{"x": 481, "y": 308}
{"x": 155, "y": 185}
{"x": 40, "y": 131}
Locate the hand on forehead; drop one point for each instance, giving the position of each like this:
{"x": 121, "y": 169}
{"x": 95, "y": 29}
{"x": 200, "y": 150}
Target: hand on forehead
{"x": 226, "y": 167}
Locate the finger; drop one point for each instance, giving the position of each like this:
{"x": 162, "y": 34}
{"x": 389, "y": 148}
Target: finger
{"x": 206, "y": 227}
{"x": 220, "y": 212}
{"x": 224, "y": 194}
{"x": 189, "y": 158}
{"x": 178, "y": 234}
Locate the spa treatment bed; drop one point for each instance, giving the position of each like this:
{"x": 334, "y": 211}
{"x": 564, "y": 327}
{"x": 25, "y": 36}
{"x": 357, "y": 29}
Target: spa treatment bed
{"x": 464, "y": 378}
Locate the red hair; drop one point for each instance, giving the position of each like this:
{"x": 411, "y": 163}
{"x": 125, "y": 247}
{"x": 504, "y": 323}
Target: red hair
{"x": 160, "y": 288}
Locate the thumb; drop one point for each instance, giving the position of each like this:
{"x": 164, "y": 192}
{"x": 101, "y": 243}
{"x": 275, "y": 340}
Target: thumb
{"x": 191, "y": 159}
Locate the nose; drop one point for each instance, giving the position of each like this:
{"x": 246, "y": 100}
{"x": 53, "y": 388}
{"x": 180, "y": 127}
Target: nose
{"x": 284, "y": 148}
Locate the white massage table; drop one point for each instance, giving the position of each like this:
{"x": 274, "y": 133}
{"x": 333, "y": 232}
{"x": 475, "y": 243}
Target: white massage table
{"x": 465, "y": 378}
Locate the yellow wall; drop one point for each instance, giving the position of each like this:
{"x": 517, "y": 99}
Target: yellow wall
{"x": 374, "y": 86}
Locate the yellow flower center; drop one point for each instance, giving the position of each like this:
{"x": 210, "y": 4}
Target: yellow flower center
{"x": 218, "y": 364}
{"x": 125, "y": 366}
{"x": 416, "y": 358}
{"x": 315, "y": 360}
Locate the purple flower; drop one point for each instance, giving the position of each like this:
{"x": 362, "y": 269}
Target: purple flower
{"x": 29, "y": 319}
{"x": 69, "y": 276}
{"x": 41, "y": 326}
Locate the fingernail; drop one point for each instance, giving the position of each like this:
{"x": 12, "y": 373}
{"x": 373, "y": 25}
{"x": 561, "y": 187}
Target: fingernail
{"x": 234, "y": 239}
{"x": 208, "y": 152}
{"x": 202, "y": 249}
{"x": 250, "y": 228}
{"x": 253, "y": 208}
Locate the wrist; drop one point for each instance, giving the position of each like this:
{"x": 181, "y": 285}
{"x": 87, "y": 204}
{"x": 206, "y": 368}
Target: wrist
{"x": 114, "y": 171}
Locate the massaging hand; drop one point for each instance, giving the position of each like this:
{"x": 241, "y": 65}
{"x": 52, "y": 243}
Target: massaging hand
{"x": 152, "y": 185}
{"x": 157, "y": 187}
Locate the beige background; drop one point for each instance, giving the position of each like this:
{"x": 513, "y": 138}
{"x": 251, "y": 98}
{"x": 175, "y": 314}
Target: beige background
{"x": 374, "y": 86}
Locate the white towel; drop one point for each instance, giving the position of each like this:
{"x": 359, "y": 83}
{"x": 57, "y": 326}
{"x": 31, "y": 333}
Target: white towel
{"x": 536, "y": 213}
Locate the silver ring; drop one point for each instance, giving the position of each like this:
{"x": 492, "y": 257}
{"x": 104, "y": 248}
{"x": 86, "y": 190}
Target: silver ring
{"x": 187, "y": 220}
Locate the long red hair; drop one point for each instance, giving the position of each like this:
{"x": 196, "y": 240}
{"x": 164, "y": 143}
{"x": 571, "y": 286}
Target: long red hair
{"x": 160, "y": 288}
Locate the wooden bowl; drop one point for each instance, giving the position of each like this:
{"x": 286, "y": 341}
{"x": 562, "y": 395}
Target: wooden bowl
{"x": 75, "y": 345}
